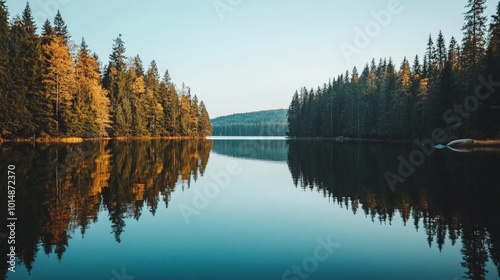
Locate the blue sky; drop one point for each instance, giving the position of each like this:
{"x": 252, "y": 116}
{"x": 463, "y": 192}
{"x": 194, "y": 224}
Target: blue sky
{"x": 242, "y": 55}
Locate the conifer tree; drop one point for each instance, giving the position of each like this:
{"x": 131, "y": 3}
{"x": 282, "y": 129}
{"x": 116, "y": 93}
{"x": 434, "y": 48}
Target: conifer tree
{"x": 26, "y": 73}
{"x": 91, "y": 101}
{"x": 60, "y": 83}
{"x": 440, "y": 51}
{"x": 185, "y": 115}
{"x": 205, "y": 127}
{"x": 60, "y": 28}
{"x": 195, "y": 117}
{"x": 116, "y": 81}
{"x": 474, "y": 40}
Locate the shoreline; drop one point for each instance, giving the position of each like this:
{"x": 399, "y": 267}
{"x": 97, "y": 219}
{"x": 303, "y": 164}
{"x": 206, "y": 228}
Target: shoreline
{"x": 77, "y": 140}
{"x": 472, "y": 143}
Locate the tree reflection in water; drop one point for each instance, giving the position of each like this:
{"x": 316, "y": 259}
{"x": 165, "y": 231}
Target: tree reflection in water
{"x": 454, "y": 195}
{"x": 62, "y": 188}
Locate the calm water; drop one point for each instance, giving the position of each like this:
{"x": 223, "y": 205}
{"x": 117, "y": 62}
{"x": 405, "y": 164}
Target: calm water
{"x": 250, "y": 209}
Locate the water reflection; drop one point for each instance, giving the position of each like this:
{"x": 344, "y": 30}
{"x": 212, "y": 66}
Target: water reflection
{"x": 269, "y": 150}
{"x": 62, "y": 188}
{"x": 454, "y": 195}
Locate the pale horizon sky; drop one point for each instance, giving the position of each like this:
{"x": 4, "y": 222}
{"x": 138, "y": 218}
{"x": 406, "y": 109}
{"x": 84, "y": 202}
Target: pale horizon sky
{"x": 255, "y": 54}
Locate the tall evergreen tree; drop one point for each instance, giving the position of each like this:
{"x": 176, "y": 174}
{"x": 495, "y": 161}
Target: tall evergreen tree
{"x": 60, "y": 83}
{"x": 91, "y": 102}
{"x": 116, "y": 81}
{"x": 26, "y": 53}
{"x": 60, "y": 28}
{"x": 205, "y": 127}
{"x": 440, "y": 51}
{"x": 474, "y": 40}
{"x": 195, "y": 117}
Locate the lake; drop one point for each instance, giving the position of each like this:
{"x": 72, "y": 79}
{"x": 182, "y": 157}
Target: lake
{"x": 250, "y": 208}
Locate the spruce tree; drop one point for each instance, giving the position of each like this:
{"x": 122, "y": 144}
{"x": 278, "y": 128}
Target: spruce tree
{"x": 195, "y": 117}
{"x": 60, "y": 84}
{"x": 91, "y": 100}
{"x": 115, "y": 80}
{"x": 440, "y": 51}
{"x": 172, "y": 111}
{"x": 26, "y": 53}
{"x": 205, "y": 126}
{"x": 474, "y": 40}
{"x": 60, "y": 28}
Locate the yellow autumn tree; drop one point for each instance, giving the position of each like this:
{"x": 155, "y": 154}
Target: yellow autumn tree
{"x": 91, "y": 101}
{"x": 59, "y": 82}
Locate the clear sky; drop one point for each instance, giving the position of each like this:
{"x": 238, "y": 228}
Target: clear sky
{"x": 250, "y": 55}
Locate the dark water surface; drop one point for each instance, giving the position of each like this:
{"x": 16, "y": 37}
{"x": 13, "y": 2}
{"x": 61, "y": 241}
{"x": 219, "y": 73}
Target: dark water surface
{"x": 250, "y": 209}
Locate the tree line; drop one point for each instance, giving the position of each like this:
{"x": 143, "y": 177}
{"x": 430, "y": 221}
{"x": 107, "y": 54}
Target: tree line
{"x": 250, "y": 129}
{"x": 261, "y": 123}
{"x": 451, "y": 88}
{"x": 51, "y": 88}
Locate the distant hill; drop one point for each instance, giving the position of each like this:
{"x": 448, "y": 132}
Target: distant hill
{"x": 261, "y": 123}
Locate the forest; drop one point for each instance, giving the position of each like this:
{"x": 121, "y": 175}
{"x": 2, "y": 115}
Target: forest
{"x": 51, "y": 87}
{"x": 261, "y": 123}
{"x": 451, "y": 88}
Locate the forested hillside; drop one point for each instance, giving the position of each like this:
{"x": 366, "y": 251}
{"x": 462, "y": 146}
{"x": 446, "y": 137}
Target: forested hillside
{"x": 455, "y": 87}
{"x": 262, "y": 123}
{"x": 50, "y": 87}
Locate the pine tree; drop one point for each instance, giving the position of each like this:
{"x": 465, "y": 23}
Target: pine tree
{"x": 91, "y": 100}
{"x": 115, "y": 81}
{"x": 454, "y": 54}
{"x": 26, "y": 74}
{"x": 60, "y": 83}
{"x": 205, "y": 126}
{"x": 195, "y": 117}
{"x": 117, "y": 57}
{"x": 440, "y": 51}
{"x": 493, "y": 58}
{"x": 185, "y": 115}
{"x": 405, "y": 101}
{"x": 474, "y": 36}
{"x": 431, "y": 58}
{"x": 156, "y": 119}
{"x": 60, "y": 28}
{"x": 172, "y": 111}
{"x": 294, "y": 115}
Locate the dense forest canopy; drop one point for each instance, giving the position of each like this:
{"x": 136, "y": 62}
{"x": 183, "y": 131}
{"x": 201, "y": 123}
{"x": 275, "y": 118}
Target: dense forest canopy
{"x": 453, "y": 88}
{"x": 51, "y": 88}
{"x": 261, "y": 123}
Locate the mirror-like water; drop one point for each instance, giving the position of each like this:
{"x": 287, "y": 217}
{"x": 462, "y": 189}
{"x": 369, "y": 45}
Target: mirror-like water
{"x": 249, "y": 209}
